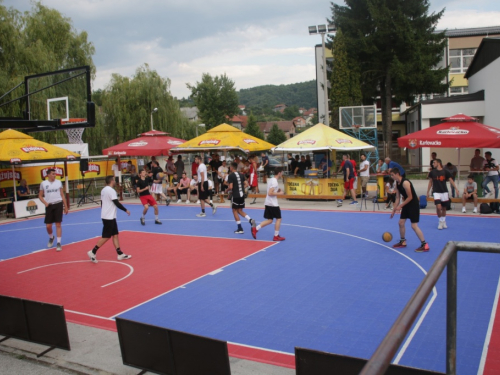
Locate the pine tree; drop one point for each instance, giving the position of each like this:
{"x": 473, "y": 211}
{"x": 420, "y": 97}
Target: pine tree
{"x": 276, "y": 135}
{"x": 252, "y": 127}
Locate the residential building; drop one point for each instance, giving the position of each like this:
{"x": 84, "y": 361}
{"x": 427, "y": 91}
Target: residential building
{"x": 279, "y": 108}
{"x": 299, "y": 122}
{"x": 239, "y": 122}
{"x": 191, "y": 113}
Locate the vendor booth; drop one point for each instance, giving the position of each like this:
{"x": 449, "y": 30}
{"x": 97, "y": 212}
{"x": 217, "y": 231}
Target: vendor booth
{"x": 320, "y": 139}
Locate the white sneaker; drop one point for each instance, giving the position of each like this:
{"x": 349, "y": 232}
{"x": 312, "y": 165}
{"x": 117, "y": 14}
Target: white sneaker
{"x": 444, "y": 225}
{"x": 463, "y": 210}
{"x": 124, "y": 256}
{"x": 92, "y": 256}
{"x": 188, "y": 202}
{"x": 198, "y": 201}
{"x": 179, "y": 201}
{"x": 475, "y": 210}
{"x": 201, "y": 214}
{"x": 58, "y": 247}
{"x": 440, "y": 225}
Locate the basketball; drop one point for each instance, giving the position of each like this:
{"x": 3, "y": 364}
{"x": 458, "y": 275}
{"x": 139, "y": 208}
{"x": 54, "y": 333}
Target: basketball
{"x": 160, "y": 176}
{"x": 387, "y": 237}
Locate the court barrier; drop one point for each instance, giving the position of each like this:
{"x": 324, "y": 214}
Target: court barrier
{"x": 165, "y": 351}
{"x": 381, "y": 359}
{"x": 313, "y": 362}
{"x": 38, "y": 322}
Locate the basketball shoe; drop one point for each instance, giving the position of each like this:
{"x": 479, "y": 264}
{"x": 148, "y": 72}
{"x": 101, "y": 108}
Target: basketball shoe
{"x": 278, "y": 238}
{"x": 423, "y": 248}
{"x": 401, "y": 243}
{"x": 58, "y": 247}
{"x": 51, "y": 242}
{"x": 92, "y": 256}
{"x": 122, "y": 256}
{"x": 201, "y": 214}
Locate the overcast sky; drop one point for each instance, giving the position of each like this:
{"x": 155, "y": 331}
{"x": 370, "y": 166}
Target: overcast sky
{"x": 254, "y": 42}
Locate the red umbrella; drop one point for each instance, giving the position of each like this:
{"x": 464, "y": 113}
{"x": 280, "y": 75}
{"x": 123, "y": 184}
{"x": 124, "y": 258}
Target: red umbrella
{"x": 151, "y": 143}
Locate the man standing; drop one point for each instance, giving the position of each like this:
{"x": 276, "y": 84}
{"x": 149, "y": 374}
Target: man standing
{"x": 170, "y": 168}
{"x": 272, "y": 209}
{"x": 364, "y": 172}
{"x": 265, "y": 165}
{"x": 392, "y": 164}
{"x": 109, "y": 203}
{"x": 52, "y": 196}
{"x": 477, "y": 162}
{"x": 301, "y": 167}
{"x": 203, "y": 187}
{"x": 222, "y": 173}
{"x": 145, "y": 197}
{"x": 491, "y": 166}
{"x": 410, "y": 209}
{"x": 237, "y": 187}
{"x": 348, "y": 171}
{"x": 117, "y": 171}
{"x": 215, "y": 163}
{"x": 437, "y": 181}
{"x": 157, "y": 185}
{"x": 179, "y": 166}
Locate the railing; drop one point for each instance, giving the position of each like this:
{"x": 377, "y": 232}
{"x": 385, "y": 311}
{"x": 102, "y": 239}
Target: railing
{"x": 381, "y": 359}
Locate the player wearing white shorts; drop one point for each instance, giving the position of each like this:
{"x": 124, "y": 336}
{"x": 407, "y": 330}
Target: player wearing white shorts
{"x": 272, "y": 210}
{"x": 157, "y": 186}
{"x": 437, "y": 181}
{"x": 110, "y": 203}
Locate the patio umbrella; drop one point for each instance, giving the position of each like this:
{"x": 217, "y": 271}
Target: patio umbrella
{"x": 151, "y": 143}
{"x": 20, "y": 148}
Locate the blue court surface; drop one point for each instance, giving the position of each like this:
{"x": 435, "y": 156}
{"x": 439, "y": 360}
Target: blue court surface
{"x": 332, "y": 285}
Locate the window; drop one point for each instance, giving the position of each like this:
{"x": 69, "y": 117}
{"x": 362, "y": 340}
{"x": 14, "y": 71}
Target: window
{"x": 459, "y": 90}
{"x": 460, "y": 59}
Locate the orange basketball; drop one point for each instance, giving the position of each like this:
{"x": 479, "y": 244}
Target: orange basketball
{"x": 160, "y": 176}
{"x": 387, "y": 237}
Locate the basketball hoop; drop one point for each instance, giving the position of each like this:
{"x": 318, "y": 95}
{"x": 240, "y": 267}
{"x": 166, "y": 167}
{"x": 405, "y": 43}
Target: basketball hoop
{"x": 356, "y": 127}
{"x": 74, "y": 134}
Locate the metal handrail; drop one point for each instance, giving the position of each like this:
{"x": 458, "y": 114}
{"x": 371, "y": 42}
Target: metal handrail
{"x": 381, "y": 359}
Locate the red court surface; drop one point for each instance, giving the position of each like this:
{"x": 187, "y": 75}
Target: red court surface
{"x": 92, "y": 294}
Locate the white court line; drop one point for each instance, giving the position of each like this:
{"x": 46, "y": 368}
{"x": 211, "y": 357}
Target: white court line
{"x": 488, "y": 333}
{"x": 183, "y": 286}
{"x": 215, "y": 272}
{"x": 91, "y": 315}
{"x": 192, "y": 235}
{"x": 429, "y": 304}
{"x": 86, "y": 261}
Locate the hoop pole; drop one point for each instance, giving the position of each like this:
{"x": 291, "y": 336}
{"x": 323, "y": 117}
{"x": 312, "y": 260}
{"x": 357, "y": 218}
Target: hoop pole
{"x": 66, "y": 183}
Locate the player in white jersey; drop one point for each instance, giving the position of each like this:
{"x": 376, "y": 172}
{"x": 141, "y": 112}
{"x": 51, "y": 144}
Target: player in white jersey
{"x": 272, "y": 209}
{"x": 52, "y": 196}
{"x": 109, "y": 204}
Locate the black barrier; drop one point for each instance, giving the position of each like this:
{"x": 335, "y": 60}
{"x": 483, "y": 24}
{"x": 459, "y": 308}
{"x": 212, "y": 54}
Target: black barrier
{"x": 38, "y": 322}
{"x": 164, "y": 351}
{"x": 313, "y": 362}
{"x": 145, "y": 346}
{"x": 199, "y": 355}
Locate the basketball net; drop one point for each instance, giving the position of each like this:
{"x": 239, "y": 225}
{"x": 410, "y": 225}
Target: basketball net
{"x": 75, "y": 134}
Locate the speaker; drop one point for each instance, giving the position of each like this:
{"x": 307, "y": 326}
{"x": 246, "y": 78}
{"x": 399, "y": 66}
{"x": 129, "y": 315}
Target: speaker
{"x": 84, "y": 165}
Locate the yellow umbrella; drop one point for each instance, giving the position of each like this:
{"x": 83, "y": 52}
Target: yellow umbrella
{"x": 224, "y": 137}
{"x": 20, "y": 148}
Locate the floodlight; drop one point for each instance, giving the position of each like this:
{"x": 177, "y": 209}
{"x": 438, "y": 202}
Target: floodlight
{"x": 313, "y": 30}
{"x": 322, "y": 29}
{"x": 332, "y": 28}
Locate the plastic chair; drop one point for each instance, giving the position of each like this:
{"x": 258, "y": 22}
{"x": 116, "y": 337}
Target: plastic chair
{"x": 370, "y": 188}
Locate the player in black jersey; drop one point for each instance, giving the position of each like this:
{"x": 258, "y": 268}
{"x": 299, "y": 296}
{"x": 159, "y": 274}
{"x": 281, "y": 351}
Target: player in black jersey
{"x": 410, "y": 209}
{"x": 237, "y": 186}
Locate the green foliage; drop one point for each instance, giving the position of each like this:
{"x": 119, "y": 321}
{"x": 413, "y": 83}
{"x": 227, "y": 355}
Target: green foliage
{"x": 183, "y": 103}
{"x": 276, "y": 135}
{"x": 291, "y": 112}
{"x": 252, "y": 127}
{"x": 345, "y": 79}
{"x": 301, "y": 94}
{"x": 216, "y": 99}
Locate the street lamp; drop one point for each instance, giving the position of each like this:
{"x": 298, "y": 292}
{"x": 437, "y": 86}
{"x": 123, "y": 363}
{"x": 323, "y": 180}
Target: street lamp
{"x": 324, "y": 29}
{"x": 202, "y": 125}
{"x": 153, "y": 111}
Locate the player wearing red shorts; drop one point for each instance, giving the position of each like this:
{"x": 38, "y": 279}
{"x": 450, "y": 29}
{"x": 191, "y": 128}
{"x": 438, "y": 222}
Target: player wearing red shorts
{"x": 146, "y": 198}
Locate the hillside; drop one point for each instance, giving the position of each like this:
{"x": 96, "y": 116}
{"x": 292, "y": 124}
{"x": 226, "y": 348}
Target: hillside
{"x": 301, "y": 94}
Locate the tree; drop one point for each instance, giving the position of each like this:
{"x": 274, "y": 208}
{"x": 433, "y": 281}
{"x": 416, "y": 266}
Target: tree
{"x": 276, "y": 135}
{"x": 253, "y": 128}
{"x": 345, "y": 79}
{"x": 397, "y": 48}
{"x": 291, "y": 112}
{"x": 216, "y": 99}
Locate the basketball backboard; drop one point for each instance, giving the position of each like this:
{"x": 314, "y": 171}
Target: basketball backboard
{"x": 364, "y": 116}
{"x": 49, "y": 102}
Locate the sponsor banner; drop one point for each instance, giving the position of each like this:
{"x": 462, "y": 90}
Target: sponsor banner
{"x": 35, "y": 174}
{"x": 341, "y": 141}
{"x": 30, "y": 207}
{"x": 29, "y": 149}
{"x": 316, "y": 186}
{"x": 138, "y": 144}
{"x": 453, "y": 131}
{"x": 249, "y": 141}
{"x": 209, "y": 142}
{"x": 306, "y": 142}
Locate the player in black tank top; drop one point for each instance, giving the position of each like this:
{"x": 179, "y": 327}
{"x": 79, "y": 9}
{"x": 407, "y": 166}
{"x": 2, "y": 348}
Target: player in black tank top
{"x": 410, "y": 209}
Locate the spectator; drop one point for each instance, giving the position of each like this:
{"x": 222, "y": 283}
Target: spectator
{"x": 148, "y": 165}
{"x": 183, "y": 188}
{"x": 170, "y": 168}
{"x": 117, "y": 171}
{"x": 172, "y": 187}
{"x": 221, "y": 174}
{"x": 22, "y": 193}
{"x": 491, "y": 166}
{"x": 265, "y": 164}
{"x": 453, "y": 171}
{"x": 382, "y": 167}
{"x": 215, "y": 164}
{"x": 477, "y": 162}
{"x": 131, "y": 168}
{"x": 364, "y": 172}
{"x": 433, "y": 157}
{"x": 193, "y": 188}
{"x": 348, "y": 171}
{"x": 470, "y": 192}
{"x": 294, "y": 164}
{"x": 241, "y": 165}
{"x": 308, "y": 162}
{"x": 325, "y": 166}
{"x": 194, "y": 169}
{"x": 301, "y": 167}
{"x": 390, "y": 191}
{"x": 179, "y": 166}
{"x": 392, "y": 164}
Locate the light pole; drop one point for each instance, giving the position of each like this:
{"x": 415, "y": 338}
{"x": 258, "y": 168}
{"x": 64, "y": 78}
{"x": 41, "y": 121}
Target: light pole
{"x": 153, "y": 111}
{"x": 323, "y": 29}
{"x": 202, "y": 125}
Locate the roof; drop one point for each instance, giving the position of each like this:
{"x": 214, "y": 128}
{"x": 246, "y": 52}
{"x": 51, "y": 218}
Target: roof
{"x": 487, "y": 52}
{"x": 280, "y": 105}
{"x": 474, "y": 97}
{"x": 286, "y": 126}
{"x": 243, "y": 120}
{"x": 475, "y": 31}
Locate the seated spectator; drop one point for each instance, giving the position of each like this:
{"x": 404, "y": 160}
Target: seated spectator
{"x": 22, "y": 193}
{"x": 390, "y": 192}
{"x": 193, "y": 188}
{"x": 470, "y": 193}
{"x": 172, "y": 187}
{"x": 131, "y": 168}
{"x": 382, "y": 167}
{"x": 183, "y": 188}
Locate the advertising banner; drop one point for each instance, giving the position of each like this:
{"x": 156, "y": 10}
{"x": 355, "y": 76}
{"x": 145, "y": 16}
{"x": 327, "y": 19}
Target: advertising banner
{"x": 316, "y": 186}
{"x": 29, "y": 207}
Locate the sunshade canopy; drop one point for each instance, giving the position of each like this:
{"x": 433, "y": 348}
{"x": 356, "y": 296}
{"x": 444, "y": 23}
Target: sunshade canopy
{"x": 322, "y": 137}
{"x": 458, "y": 131}
{"x": 224, "y": 137}
{"x": 151, "y": 143}
{"x": 20, "y": 148}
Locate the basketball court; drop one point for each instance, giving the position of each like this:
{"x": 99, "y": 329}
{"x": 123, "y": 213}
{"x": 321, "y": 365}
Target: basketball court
{"x": 332, "y": 285}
